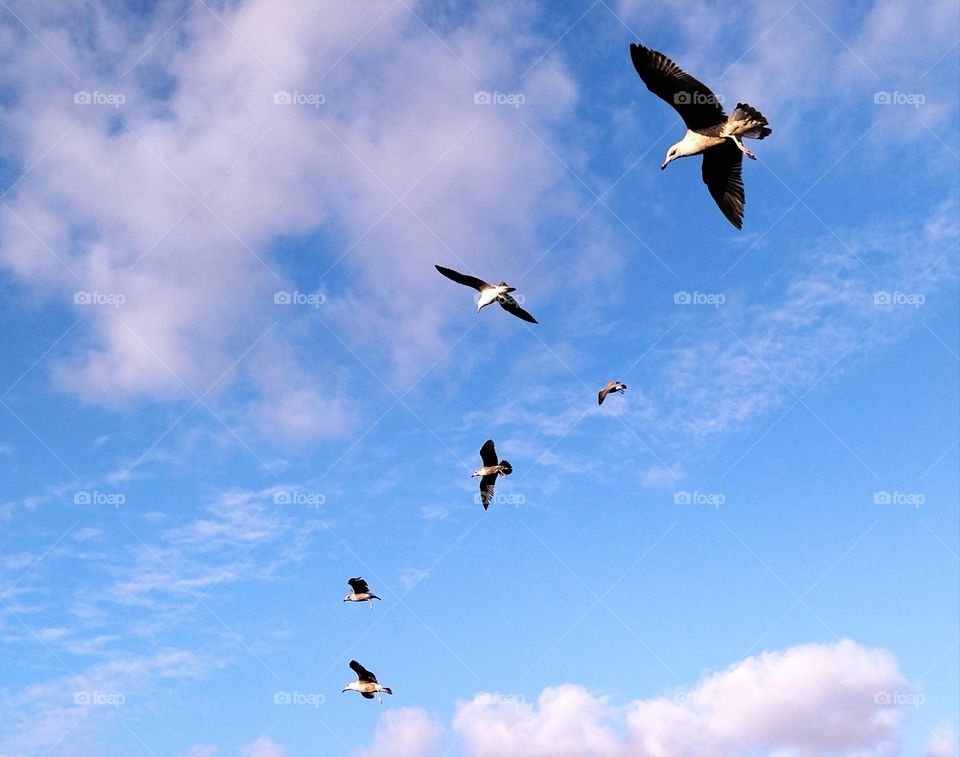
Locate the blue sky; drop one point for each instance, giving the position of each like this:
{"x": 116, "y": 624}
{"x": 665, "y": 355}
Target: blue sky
{"x": 233, "y": 379}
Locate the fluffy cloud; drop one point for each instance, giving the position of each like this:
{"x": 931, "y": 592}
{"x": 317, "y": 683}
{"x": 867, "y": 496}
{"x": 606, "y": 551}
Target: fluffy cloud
{"x": 405, "y": 732}
{"x": 811, "y": 699}
{"x": 175, "y": 198}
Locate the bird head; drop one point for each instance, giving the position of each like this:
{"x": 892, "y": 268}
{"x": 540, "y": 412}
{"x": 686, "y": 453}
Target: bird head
{"x": 672, "y": 154}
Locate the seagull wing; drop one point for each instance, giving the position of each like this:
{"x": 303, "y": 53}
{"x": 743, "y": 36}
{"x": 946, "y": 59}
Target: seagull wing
{"x": 488, "y": 454}
{"x": 510, "y": 305}
{"x": 358, "y": 585}
{"x": 462, "y": 278}
{"x": 603, "y": 394}
{"x": 723, "y": 174}
{"x": 692, "y": 99}
{"x": 486, "y": 489}
{"x": 362, "y": 673}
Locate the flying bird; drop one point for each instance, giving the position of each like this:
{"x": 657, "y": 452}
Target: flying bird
{"x": 489, "y": 293}
{"x": 360, "y": 593}
{"x": 366, "y": 683}
{"x": 613, "y": 386}
{"x": 489, "y": 471}
{"x": 709, "y": 130}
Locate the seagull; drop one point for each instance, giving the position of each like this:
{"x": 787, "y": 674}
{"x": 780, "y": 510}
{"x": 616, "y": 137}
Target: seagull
{"x": 613, "y": 386}
{"x": 489, "y": 293}
{"x": 489, "y": 472}
{"x": 366, "y": 683}
{"x": 709, "y": 130}
{"x": 360, "y": 593}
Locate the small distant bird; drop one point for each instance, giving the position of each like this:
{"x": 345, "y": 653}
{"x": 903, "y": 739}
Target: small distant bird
{"x": 613, "y": 386}
{"x": 489, "y": 472}
{"x": 366, "y": 683}
{"x": 489, "y": 293}
{"x": 709, "y": 130}
{"x": 360, "y": 593}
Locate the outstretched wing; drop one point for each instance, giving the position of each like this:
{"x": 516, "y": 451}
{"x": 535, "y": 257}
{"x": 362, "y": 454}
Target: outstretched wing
{"x": 488, "y": 454}
{"x": 692, "y": 99}
{"x": 603, "y": 394}
{"x": 358, "y": 585}
{"x": 510, "y": 305}
{"x": 486, "y": 490}
{"x": 723, "y": 174}
{"x": 362, "y": 673}
{"x": 462, "y": 278}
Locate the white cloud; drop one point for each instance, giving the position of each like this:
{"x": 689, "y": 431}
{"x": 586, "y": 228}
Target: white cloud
{"x": 174, "y": 202}
{"x": 264, "y": 747}
{"x": 405, "y": 732}
{"x": 807, "y": 700}
{"x": 943, "y": 742}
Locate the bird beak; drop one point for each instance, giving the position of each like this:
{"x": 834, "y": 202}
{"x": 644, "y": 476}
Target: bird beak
{"x": 664, "y": 164}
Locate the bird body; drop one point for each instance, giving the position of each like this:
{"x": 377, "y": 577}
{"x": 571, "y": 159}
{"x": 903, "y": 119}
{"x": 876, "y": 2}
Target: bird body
{"x": 366, "y": 683}
{"x": 489, "y": 471}
{"x": 710, "y": 132}
{"x": 361, "y": 592}
{"x": 489, "y": 293}
{"x": 612, "y": 386}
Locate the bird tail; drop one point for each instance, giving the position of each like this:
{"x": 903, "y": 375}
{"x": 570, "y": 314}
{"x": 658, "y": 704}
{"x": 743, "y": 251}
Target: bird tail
{"x": 505, "y": 468}
{"x": 374, "y": 596}
{"x": 749, "y": 122}
{"x": 385, "y": 690}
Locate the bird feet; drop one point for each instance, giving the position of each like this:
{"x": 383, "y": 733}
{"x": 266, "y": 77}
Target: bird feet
{"x": 743, "y": 149}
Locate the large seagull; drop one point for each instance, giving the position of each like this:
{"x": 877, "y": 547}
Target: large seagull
{"x": 489, "y": 293}
{"x": 709, "y": 130}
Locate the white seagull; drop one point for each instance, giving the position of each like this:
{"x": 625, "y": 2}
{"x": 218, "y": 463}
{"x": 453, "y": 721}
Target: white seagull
{"x": 489, "y": 471}
{"x": 366, "y": 683}
{"x": 613, "y": 386}
{"x": 709, "y": 130}
{"x": 360, "y": 593}
{"x": 489, "y": 293}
